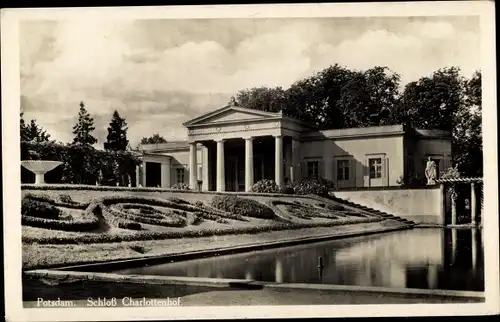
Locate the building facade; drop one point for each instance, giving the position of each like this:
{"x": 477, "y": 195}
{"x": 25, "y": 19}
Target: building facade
{"x": 233, "y": 147}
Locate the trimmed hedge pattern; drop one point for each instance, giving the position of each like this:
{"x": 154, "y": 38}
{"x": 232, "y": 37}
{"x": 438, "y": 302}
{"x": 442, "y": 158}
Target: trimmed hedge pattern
{"x": 149, "y": 235}
{"x": 94, "y": 212}
{"x": 64, "y": 202}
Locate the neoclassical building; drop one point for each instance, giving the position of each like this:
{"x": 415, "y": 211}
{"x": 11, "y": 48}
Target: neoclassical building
{"x": 233, "y": 147}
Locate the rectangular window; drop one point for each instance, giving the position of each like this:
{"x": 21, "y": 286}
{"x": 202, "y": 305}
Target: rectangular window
{"x": 179, "y": 175}
{"x": 342, "y": 169}
{"x": 375, "y": 168}
{"x": 312, "y": 169}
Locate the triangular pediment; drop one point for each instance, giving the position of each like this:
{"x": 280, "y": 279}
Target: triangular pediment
{"x": 230, "y": 114}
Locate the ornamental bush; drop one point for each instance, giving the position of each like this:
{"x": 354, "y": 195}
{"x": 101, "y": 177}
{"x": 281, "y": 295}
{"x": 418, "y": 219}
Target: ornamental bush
{"x": 39, "y": 209}
{"x": 265, "y": 186}
{"x": 242, "y": 206}
{"x": 318, "y": 187}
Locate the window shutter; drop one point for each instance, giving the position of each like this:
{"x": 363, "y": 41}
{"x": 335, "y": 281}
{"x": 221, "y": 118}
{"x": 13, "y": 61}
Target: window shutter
{"x": 366, "y": 173}
{"x": 321, "y": 169}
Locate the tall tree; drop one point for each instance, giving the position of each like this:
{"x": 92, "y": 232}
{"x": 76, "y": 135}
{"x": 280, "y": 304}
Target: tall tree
{"x": 262, "y": 98}
{"x": 431, "y": 102}
{"x": 83, "y": 128}
{"x": 467, "y": 129}
{"x": 154, "y": 139}
{"x": 117, "y": 134}
{"x": 32, "y": 131}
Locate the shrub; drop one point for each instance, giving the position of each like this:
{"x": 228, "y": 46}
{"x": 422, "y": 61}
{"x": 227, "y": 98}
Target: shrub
{"x": 242, "y": 207}
{"x": 34, "y": 208}
{"x": 312, "y": 187}
{"x": 180, "y": 186}
{"x": 287, "y": 190}
{"x": 265, "y": 186}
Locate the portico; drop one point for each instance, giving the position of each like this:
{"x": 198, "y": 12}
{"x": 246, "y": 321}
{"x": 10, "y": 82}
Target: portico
{"x": 246, "y": 146}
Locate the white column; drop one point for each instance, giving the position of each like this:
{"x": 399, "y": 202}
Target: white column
{"x": 193, "y": 166}
{"x": 294, "y": 174}
{"x": 473, "y": 203}
{"x": 204, "y": 168}
{"x": 165, "y": 174}
{"x": 137, "y": 175}
{"x": 143, "y": 168}
{"x": 248, "y": 164}
{"x": 221, "y": 178}
{"x": 278, "y": 159}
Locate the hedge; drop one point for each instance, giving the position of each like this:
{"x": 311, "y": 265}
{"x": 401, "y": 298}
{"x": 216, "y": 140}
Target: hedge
{"x": 94, "y": 211}
{"x": 149, "y": 235}
{"x": 173, "y": 222}
{"x": 60, "y": 203}
{"x": 39, "y": 209}
{"x": 243, "y": 207}
{"x": 81, "y": 163}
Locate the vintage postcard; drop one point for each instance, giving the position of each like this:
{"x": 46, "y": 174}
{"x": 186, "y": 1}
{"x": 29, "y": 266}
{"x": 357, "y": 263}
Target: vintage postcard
{"x": 250, "y": 161}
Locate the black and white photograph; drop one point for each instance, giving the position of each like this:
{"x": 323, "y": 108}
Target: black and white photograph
{"x": 250, "y": 161}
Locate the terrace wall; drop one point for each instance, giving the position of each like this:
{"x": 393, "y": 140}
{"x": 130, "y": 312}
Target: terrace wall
{"x": 419, "y": 205}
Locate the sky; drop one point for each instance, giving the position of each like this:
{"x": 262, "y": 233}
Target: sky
{"x": 161, "y": 73}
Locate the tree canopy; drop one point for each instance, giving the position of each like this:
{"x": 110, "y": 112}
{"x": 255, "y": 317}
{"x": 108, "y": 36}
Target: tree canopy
{"x": 154, "y": 139}
{"x": 337, "y": 97}
{"x": 83, "y": 128}
{"x": 32, "y": 131}
{"x": 117, "y": 134}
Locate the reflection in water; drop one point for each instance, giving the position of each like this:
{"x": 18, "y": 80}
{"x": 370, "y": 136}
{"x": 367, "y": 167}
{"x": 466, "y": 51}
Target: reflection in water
{"x": 418, "y": 258}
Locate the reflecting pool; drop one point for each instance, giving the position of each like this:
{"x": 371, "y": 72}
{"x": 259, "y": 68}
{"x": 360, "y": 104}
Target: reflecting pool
{"x": 428, "y": 258}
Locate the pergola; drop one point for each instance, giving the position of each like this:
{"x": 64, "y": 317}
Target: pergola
{"x": 465, "y": 180}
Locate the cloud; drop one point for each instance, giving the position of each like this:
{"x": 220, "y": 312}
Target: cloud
{"x": 161, "y": 73}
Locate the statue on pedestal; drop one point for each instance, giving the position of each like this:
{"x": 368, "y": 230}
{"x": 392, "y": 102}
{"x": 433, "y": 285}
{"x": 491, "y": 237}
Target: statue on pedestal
{"x": 430, "y": 171}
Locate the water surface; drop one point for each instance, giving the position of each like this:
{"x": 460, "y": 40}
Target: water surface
{"x": 450, "y": 259}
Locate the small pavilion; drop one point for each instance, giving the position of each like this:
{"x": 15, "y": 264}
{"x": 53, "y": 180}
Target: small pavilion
{"x": 474, "y": 182}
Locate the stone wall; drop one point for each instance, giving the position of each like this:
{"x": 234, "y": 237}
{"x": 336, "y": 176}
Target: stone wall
{"x": 419, "y": 205}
